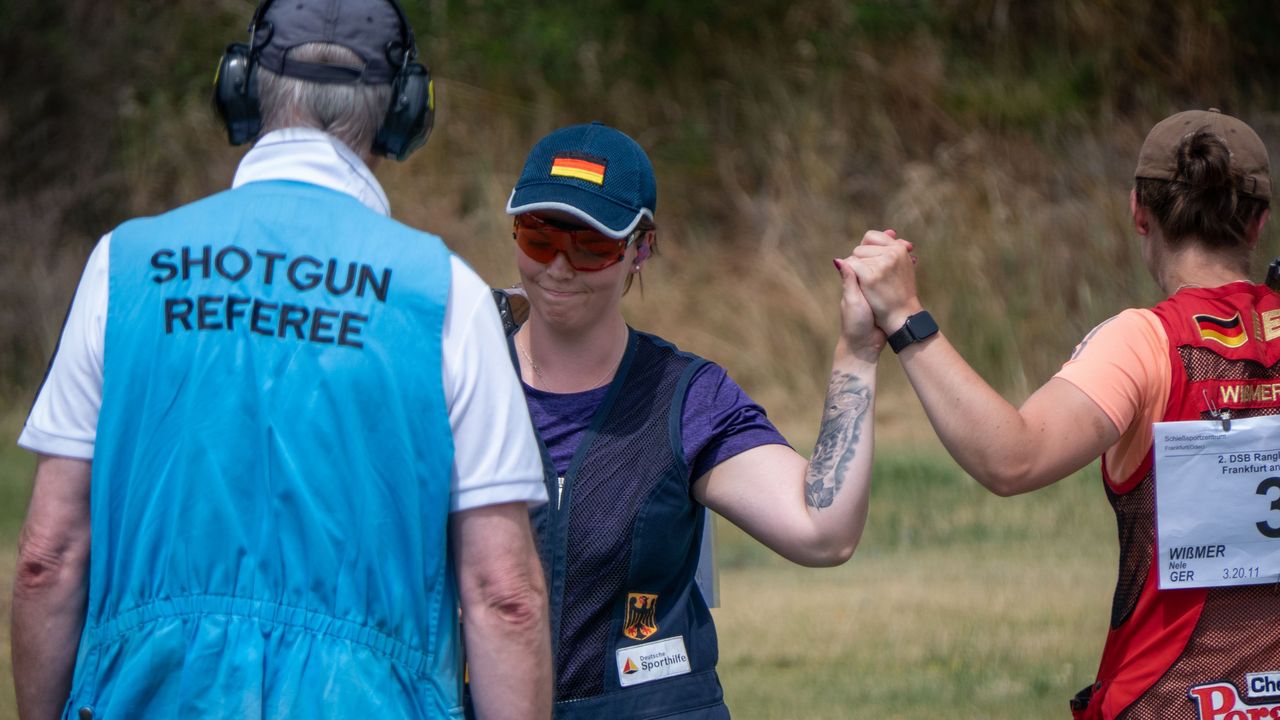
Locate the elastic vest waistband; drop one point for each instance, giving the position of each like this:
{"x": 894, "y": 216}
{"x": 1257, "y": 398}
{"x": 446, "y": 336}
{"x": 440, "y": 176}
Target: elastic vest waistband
{"x": 131, "y": 621}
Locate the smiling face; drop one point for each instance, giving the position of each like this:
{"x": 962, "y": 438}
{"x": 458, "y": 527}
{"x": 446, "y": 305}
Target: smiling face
{"x": 573, "y": 300}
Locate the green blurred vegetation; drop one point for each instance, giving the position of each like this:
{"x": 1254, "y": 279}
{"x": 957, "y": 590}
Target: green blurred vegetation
{"x": 16, "y": 467}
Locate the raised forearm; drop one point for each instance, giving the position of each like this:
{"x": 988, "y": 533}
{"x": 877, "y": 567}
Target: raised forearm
{"x": 1009, "y": 450}
{"x": 985, "y": 434}
{"x": 837, "y": 478}
{"x": 812, "y": 512}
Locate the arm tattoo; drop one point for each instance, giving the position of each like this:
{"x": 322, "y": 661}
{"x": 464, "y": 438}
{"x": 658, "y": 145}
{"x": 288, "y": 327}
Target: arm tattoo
{"x": 848, "y": 399}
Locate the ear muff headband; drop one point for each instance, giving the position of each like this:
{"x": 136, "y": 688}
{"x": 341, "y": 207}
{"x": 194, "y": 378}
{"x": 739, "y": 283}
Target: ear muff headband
{"x": 411, "y": 114}
{"x": 404, "y": 128}
{"x": 235, "y": 87}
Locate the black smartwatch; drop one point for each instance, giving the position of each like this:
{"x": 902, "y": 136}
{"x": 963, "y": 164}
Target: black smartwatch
{"x": 918, "y": 328}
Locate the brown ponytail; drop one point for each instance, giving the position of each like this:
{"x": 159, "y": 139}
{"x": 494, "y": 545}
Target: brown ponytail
{"x": 1202, "y": 202}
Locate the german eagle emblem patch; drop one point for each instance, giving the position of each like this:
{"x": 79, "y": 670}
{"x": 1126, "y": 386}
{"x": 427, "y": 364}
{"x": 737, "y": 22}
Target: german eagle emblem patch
{"x": 642, "y": 616}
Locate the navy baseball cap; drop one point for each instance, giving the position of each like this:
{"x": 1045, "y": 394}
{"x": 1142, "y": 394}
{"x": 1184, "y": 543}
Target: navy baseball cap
{"x": 594, "y": 173}
{"x": 376, "y": 30}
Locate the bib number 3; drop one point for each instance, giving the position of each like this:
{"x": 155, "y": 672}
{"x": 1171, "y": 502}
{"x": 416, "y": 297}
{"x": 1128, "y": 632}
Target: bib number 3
{"x": 1264, "y": 487}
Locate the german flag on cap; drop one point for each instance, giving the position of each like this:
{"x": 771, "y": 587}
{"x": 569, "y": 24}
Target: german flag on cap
{"x": 580, "y": 168}
{"x": 1228, "y": 331}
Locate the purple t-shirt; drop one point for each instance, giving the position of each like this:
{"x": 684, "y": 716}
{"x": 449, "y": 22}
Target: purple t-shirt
{"x": 720, "y": 420}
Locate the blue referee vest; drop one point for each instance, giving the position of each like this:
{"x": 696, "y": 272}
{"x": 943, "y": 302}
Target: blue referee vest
{"x": 272, "y": 474}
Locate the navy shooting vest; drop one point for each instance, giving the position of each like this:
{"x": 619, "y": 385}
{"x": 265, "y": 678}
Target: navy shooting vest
{"x": 620, "y": 541}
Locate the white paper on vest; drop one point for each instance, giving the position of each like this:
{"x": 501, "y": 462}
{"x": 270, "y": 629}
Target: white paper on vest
{"x": 1217, "y": 502}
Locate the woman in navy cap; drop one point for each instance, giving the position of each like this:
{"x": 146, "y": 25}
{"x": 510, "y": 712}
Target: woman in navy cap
{"x": 639, "y": 437}
{"x": 1195, "y": 612}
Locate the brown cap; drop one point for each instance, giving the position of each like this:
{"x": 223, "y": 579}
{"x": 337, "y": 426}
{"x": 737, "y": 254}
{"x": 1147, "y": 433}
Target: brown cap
{"x": 1158, "y": 159}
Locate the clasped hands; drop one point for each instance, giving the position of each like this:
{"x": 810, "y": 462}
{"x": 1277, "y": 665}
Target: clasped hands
{"x": 879, "y": 290}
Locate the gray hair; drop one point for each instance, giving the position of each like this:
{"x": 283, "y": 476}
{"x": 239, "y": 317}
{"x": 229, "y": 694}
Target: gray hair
{"x": 352, "y": 113}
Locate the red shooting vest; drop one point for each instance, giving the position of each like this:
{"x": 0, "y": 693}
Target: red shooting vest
{"x": 1163, "y": 643}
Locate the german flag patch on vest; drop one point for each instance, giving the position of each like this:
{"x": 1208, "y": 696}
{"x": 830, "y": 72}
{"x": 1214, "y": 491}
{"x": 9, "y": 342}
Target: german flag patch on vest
{"x": 1227, "y": 331}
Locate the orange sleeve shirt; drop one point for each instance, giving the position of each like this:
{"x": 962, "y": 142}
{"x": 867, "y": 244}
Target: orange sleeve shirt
{"x": 1123, "y": 366}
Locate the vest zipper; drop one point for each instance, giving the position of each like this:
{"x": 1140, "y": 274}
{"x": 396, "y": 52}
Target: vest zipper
{"x": 559, "y": 491}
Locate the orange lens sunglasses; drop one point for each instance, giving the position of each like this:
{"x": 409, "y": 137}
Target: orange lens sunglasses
{"x": 586, "y": 249}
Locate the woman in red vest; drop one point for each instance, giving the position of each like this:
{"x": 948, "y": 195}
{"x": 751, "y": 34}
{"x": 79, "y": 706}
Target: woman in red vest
{"x": 1184, "y": 642}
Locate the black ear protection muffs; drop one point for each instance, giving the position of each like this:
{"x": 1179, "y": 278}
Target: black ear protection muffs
{"x": 409, "y": 117}
{"x": 412, "y": 112}
{"x": 235, "y": 94}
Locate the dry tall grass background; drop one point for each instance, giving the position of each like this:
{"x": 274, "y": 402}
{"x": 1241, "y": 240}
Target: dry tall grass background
{"x": 1000, "y": 137}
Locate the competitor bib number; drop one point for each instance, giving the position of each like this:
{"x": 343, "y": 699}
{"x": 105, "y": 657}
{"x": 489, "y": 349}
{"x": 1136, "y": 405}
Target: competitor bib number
{"x": 1218, "y": 503}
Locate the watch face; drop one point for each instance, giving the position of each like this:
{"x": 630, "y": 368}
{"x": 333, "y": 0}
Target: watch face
{"x": 922, "y": 325}
{"x": 917, "y": 327}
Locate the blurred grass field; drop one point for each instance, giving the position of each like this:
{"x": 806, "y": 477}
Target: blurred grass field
{"x": 957, "y": 603}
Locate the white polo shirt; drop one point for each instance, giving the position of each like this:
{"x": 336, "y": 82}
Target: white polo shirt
{"x": 496, "y": 457}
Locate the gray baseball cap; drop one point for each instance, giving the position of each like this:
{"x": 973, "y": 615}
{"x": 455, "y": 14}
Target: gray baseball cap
{"x": 376, "y": 30}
